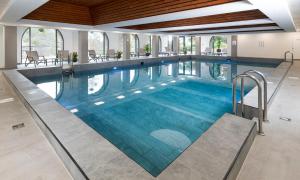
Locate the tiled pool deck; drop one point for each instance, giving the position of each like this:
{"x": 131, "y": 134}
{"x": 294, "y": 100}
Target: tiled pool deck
{"x": 208, "y": 158}
{"x": 25, "y": 153}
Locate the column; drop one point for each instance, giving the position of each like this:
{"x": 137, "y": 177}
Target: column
{"x": 83, "y": 43}
{"x": 2, "y": 63}
{"x": 198, "y": 45}
{"x": 176, "y": 44}
{"x": 126, "y": 46}
{"x": 10, "y": 47}
{"x": 234, "y": 43}
{"x": 155, "y": 46}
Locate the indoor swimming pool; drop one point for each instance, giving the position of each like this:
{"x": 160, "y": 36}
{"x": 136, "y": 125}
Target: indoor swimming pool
{"x": 151, "y": 113}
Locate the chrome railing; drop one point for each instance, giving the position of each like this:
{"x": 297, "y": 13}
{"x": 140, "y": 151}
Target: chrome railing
{"x": 265, "y": 87}
{"x": 260, "y": 108}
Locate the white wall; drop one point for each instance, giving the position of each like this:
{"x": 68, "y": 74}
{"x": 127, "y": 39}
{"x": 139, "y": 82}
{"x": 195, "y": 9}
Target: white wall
{"x": 2, "y": 47}
{"x": 267, "y": 45}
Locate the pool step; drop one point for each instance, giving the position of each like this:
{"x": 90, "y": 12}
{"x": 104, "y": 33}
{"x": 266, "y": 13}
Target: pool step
{"x": 218, "y": 154}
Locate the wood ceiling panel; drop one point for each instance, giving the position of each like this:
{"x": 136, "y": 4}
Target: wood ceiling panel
{"x": 122, "y": 10}
{"x": 224, "y": 28}
{"x": 62, "y": 12}
{"x": 221, "y": 18}
{"x": 87, "y": 3}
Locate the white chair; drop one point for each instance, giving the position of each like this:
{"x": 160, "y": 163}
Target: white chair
{"x": 93, "y": 56}
{"x": 63, "y": 56}
{"x": 33, "y": 57}
{"x": 111, "y": 53}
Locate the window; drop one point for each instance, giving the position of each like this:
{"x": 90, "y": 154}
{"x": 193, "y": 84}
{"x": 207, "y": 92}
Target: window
{"x": 47, "y": 42}
{"x": 99, "y": 42}
{"x": 159, "y": 44}
{"x": 218, "y": 44}
{"x": 134, "y": 43}
{"x": 187, "y": 43}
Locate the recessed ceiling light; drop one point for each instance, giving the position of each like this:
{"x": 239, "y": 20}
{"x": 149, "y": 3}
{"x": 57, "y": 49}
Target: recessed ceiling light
{"x": 74, "y": 110}
{"x": 120, "y": 97}
{"x": 183, "y": 79}
{"x": 173, "y": 81}
{"x": 151, "y": 87}
{"x": 115, "y": 68}
{"x": 99, "y": 103}
{"x": 163, "y": 84}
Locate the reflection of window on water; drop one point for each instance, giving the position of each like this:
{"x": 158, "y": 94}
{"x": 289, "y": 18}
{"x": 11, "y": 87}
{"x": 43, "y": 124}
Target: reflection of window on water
{"x": 51, "y": 88}
{"x": 187, "y": 68}
{"x": 170, "y": 70}
{"x": 95, "y": 83}
{"x": 132, "y": 76}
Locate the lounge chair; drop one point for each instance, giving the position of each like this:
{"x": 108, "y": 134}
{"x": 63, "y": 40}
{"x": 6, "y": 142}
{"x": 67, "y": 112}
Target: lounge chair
{"x": 170, "y": 53}
{"x": 93, "y": 56}
{"x": 141, "y": 52}
{"x": 33, "y": 57}
{"x": 63, "y": 56}
{"x": 111, "y": 54}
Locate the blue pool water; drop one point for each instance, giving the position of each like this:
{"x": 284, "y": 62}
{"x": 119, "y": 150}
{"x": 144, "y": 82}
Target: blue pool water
{"x": 154, "y": 113}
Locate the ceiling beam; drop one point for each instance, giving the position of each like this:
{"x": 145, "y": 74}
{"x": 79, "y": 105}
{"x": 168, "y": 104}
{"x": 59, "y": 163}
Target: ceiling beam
{"x": 278, "y": 11}
{"x": 17, "y": 9}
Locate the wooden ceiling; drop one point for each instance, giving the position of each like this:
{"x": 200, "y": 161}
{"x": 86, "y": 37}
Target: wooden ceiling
{"x": 122, "y": 10}
{"x": 98, "y": 12}
{"x": 62, "y": 12}
{"x": 220, "y": 18}
{"x": 87, "y": 3}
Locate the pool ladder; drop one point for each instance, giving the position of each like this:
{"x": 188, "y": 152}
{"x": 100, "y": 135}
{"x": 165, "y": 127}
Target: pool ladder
{"x": 289, "y": 53}
{"x": 256, "y": 76}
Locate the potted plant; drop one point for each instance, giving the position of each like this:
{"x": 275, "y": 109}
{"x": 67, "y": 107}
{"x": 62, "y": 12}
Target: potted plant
{"x": 74, "y": 56}
{"x": 119, "y": 54}
{"x": 147, "y": 49}
{"x": 185, "y": 51}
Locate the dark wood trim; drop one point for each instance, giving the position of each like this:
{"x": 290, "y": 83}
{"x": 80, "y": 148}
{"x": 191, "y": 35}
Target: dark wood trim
{"x": 227, "y": 27}
{"x": 220, "y": 18}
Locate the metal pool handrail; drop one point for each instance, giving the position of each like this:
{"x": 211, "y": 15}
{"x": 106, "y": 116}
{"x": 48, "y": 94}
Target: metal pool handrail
{"x": 262, "y": 76}
{"x": 285, "y": 56}
{"x": 260, "y": 114}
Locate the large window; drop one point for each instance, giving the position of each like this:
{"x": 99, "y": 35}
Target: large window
{"x": 47, "y": 42}
{"x": 187, "y": 43}
{"x": 134, "y": 44}
{"x": 99, "y": 42}
{"x": 218, "y": 45}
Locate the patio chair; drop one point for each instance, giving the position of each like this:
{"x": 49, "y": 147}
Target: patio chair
{"x": 63, "y": 56}
{"x": 111, "y": 54}
{"x": 141, "y": 52}
{"x": 170, "y": 53}
{"x": 93, "y": 56}
{"x": 33, "y": 57}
